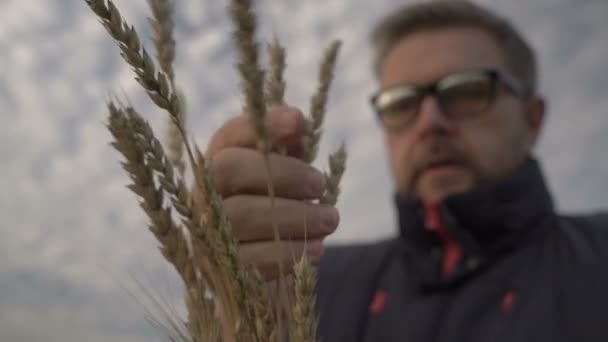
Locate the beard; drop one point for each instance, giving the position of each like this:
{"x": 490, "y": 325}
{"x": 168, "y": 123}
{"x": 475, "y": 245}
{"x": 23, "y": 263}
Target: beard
{"x": 440, "y": 151}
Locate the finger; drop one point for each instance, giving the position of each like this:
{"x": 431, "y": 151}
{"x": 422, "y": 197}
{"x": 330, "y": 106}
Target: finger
{"x": 286, "y": 127}
{"x": 243, "y": 171}
{"x": 266, "y": 255}
{"x": 253, "y": 219}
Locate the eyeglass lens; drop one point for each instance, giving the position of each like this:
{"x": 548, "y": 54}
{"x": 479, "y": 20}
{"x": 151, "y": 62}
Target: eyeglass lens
{"x": 459, "y": 96}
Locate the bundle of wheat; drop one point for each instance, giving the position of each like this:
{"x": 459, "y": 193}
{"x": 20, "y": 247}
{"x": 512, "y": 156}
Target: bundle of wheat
{"x": 226, "y": 299}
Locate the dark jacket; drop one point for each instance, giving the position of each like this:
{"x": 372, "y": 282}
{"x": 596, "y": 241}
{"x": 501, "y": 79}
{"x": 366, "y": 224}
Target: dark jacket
{"x": 520, "y": 272}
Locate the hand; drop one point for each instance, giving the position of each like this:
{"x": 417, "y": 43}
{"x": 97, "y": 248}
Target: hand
{"x": 242, "y": 180}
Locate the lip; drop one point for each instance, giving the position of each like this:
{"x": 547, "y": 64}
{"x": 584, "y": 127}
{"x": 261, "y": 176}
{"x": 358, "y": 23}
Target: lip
{"x": 443, "y": 167}
{"x": 442, "y": 163}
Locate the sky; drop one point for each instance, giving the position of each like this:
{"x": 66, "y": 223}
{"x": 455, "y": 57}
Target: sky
{"x": 76, "y": 260}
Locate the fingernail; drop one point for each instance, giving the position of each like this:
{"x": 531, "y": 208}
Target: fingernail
{"x": 316, "y": 183}
{"x": 287, "y": 122}
{"x": 314, "y": 250}
{"x": 330, "y": 218}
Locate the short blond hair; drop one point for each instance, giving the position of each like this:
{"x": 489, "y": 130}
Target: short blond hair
{"x": 440, "y": 14}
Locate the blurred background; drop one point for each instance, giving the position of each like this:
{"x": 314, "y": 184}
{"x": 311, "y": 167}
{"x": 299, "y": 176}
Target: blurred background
{"x": 74, "y": 249}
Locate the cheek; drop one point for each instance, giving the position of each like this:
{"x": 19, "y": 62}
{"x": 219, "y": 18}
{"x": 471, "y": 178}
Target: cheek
{"x": 399, "y": 157}
{"x": 493, "y": 144}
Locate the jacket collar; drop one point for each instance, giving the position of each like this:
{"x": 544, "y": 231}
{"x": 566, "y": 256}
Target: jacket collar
{"x": 489, "y": 219}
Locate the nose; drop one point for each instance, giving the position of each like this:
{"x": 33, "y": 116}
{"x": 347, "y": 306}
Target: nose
{"x": 431, "y": 118}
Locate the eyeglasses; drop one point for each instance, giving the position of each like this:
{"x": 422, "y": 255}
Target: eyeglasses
{"x": 460, "y": 95}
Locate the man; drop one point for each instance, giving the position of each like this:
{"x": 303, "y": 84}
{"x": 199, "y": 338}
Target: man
{"x": 481, "y": 255}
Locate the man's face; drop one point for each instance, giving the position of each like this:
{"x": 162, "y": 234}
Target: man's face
{"x": 436, "y": 155}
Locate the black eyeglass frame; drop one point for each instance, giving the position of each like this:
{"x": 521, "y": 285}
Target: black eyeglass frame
{"x": 423, "y": 90}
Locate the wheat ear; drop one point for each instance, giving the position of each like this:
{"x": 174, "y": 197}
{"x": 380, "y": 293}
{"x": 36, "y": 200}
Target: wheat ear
{"x": 173, "y": 245}
{"x": 138, "y": 164}
{"x": 303, "y": 305}
{"x": 275, "y": 85}
{"x": 318, "y": 102}
{"x": 155, "y": 83}
{"x": 337, "y": 165}
{"x": 162, "y": 23}
{"x": 248, "y": 65}
{"x": 214, "y": 249}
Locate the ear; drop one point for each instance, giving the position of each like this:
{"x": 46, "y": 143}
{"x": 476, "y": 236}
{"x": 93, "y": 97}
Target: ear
{"x": 535, "y": 118}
